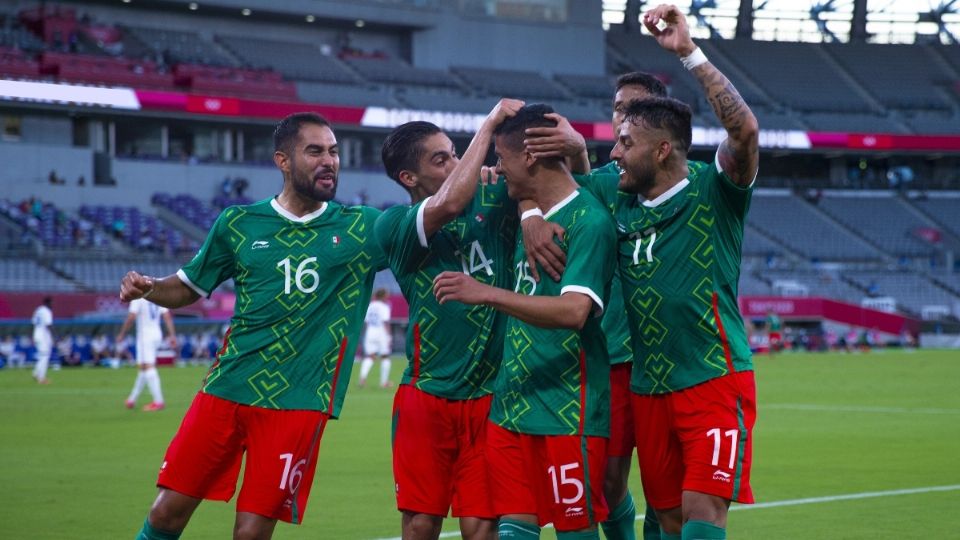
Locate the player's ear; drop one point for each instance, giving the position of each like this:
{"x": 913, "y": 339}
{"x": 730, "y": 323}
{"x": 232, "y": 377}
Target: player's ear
{"x": 282, "y": 162}
{"x": 407, "y": 178}
{"x": 664, "y": 149}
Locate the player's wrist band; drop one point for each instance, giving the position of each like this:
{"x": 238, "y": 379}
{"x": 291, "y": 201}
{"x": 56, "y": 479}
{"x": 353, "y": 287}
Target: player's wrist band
{"x": 694, "y": 59}
{"x": 530, "y": 213}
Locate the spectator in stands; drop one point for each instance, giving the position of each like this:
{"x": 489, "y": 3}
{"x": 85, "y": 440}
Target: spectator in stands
{"x": 12, "y": 358}
{"x": 240, "y": 186}
{"x": 99, "y": 350}
{"x": 82, "y": 181}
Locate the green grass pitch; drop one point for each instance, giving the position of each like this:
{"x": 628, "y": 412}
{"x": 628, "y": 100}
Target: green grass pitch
{"x": 74, "y": 464}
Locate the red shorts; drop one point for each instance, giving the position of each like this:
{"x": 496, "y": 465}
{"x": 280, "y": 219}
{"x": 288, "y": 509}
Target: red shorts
{"x": 438, "y": 454}
{"x": 558, "y": 478}
{"x": 622, "y": 436}
{"x": 775, "y": 337}
{"x": 697, "y": 439}
{"x": 203, "y": 460}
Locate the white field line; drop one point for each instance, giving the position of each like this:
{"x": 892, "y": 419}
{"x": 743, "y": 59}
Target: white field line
{"x": 859, "y": 409}
{"x": 794, "y": 502}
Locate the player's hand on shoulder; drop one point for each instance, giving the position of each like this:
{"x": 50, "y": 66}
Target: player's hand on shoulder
{"x": 559, "y": 141}
{"x": 134, "y": 285}
{"x": 675, "y": 35}
{"x": 538, "y": 235}
{"x": 457, "y": 286}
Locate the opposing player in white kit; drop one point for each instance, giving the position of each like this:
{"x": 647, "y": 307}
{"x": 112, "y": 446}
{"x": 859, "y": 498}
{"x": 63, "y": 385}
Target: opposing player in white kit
{"x": 149, "y": 336}
{"x": 376, "y": 340}
{"x": 43, "y": 339}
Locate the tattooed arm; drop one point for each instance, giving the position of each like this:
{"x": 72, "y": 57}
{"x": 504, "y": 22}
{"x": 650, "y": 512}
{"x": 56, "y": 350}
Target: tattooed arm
{"x": 739, "y": 154}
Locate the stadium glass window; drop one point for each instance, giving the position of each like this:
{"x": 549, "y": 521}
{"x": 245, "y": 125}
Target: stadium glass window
{"x": 12, "y": 127}
{"x": 257, "y": 144}
{"x": 138, "y": 137}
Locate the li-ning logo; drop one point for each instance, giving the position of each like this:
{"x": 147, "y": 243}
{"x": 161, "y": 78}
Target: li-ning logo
{"x": 721, "y": 476}
{"x": 573, "y": 511}
{"x": 260, "y": 244}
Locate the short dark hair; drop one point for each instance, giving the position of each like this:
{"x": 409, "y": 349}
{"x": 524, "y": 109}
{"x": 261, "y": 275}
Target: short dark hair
{"x": 403, "y": 148}
{"x": 47, "y": 301}
{"x": 662, "y": 113}
{"x": 649, "y": 82}
{"x": 288, "y": 130}
{"x": 529, "y": 116}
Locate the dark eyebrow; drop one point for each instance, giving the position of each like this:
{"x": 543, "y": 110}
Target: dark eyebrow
{"x": 312, "y": 147}
{"x": 441, "y": 153}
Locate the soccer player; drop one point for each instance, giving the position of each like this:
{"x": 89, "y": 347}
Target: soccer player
{"x": 547, "y": 435}
{"x": 149, "y": 336}
{"x": 376, "y": 339}
{"x": 774, "y": 332}
{"x": 563, "y": 140}
{"x": 303, "y": 269}
{"x": 441, "y": 407}
{"x": 680, "y": 228}
{"x": 42, "y": 320}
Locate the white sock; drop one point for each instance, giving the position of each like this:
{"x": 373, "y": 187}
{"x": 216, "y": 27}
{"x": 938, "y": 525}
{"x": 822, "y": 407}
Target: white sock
{"x": 137, "y": 386}
{"x": 384, "y": 370}
{"x": 153, "y": 382}
{"x": 365, "y": 368}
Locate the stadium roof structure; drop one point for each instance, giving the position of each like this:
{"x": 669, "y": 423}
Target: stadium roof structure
{"x": 876, "y": 21}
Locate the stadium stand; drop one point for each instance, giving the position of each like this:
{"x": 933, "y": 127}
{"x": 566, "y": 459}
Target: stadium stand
{"x": 895, "y": 233}
{"x": 913, "y": 292}
{"x": 301, "y": 61}
{"x": 178, "y": 46}
{"x": 903, "y": 83}
{"x": 28, "y": 275}
{"x": 503, "y": 82}
{"x": 943, "y": 210}
{"x": 52, "y": 226}
{"x": 138, "y": 230}
{"x": 395, "y": 71}
{"x": 801, "y": 228}
{"x": 105, "y": 275}
{"x": 347, "y": 94}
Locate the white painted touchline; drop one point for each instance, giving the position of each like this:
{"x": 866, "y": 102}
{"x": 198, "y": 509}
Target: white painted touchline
{"x": 793, "y": 502}
{"x": 851, "y": 408}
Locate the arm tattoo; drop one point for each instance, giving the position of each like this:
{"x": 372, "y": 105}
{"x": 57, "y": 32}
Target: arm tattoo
{"x": 740, "y": 150}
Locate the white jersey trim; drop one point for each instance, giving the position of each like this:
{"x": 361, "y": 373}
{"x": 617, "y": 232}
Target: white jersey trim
{"x": 557, "y": 207}
{"x": 716, "y": 161}
{"x": 421, "y": 232}
{"x": 666, "y": 195}
{"x": 186, "y": 281}
{"x": 588, "y": 292}
{"x": 298, "y": 219}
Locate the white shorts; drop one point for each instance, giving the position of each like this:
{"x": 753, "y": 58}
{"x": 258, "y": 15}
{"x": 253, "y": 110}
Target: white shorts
{"x": 147, "y": 351}
{"x": 376, "y": 343}
{"x": 43, "y": 346}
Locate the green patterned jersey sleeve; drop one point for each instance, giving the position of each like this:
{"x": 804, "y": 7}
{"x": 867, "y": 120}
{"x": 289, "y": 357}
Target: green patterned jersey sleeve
{"x": 601, "y": 183}
{"x": 216, "y": 260}
{"x": 399, "y": 235}
{"x": 591, "y": 249}
{"x": 737, "y": 198}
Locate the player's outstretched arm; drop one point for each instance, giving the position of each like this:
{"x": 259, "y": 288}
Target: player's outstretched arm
{"x": 458, "y": 189}
{"x": 739, "y": 154}
{"x": 168, "y": 292}
{"x": 566, "y": 311}
{"x": 127, "y": 323}
{"x": 171, "y": 331}
{"x": 559, "y": 141}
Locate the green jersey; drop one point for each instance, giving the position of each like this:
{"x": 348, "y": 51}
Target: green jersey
{"x": 302, "y": 286}
{"x": 679, "y": 257}
{"x": 557, "y": 381}
{"x": 453, "y": 350}
{"x": 615, "y": 325}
